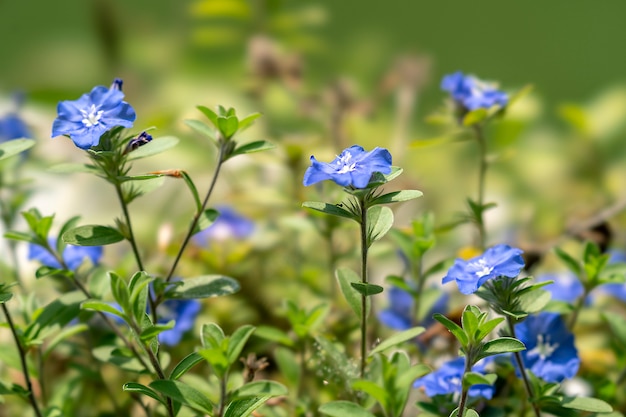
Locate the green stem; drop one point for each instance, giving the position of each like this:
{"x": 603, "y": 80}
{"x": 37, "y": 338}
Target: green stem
{"x": 464, "y": 390}
{"x": 419, "y": 278}
{"x": 364, "y": 248}
{"x": 22, "y": 354}
{"x": 522, "y": 370}
{"x": 482, "y": 173}
{"x": 131, "y": 236}
{"x": 222, "y": 407}
{"x": 196, "y": 217}
{"x": 579, "y": 305}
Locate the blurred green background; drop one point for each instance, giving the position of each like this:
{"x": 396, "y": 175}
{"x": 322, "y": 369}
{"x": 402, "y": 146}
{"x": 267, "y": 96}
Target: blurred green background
{"x": 335, "y": 73}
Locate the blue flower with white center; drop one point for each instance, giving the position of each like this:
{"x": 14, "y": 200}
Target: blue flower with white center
{"x": 550, "y": 352}
{"x": 353, "y": 167}
{"x": 73, "y": 256}
{"x": 398, "y": 315}
{"x": 472, "y": 93}
{"x": 228, "y": 225}
{"x": 87, "y": 118}
{"x": 497, "y": 261}
{"x": 184, "y": 312}
{"x": 447, "y": 379}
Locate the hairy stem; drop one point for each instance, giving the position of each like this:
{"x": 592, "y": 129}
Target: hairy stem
{"x": 465, "y": 389}
{"x": 22, "y": 354}
{"x": 522, "y": 370}
{"x": 364, "y": 248}
{"x": 196, "y": 217}
{"x": 482, "y": 172}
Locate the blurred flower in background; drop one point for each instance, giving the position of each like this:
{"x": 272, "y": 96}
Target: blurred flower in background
{"x": 184, "y": 312}
{"x": 471, "y": 93}
{"x": 11, "y": 124}
{"x": 228, "y": 225}
{"x": 447, "y": 379}
{"x": 73, "y": 256}
{"x": 550, "y": 352}
{"x": 399, "y": 313}
{"x": 566, "y": 286}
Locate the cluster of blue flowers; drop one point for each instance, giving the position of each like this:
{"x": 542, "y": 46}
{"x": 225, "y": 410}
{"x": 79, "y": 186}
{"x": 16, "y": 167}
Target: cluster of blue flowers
{"x": 470, "y": 93}
{"x": 73, "y": 256}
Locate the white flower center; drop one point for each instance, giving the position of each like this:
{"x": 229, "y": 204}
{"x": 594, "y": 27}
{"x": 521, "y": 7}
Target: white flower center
{"x": 483, "y": 268}
{"x": 91, "y": 116}
{"x": 543, "y": 349}
{"x": 343, "y": 164}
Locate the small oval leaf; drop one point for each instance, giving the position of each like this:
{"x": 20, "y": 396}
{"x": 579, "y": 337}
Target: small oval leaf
{"x": 92, "y": 235}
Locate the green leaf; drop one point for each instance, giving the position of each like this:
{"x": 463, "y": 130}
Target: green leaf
{"x": 21, "y": 236}
{"x": 248, "y": 120}
{"x": 332, "y": 209}
{"x": 396, "y": 197}
{"x": 92, "y": 235}
{"x": 201, "y": 128}
{"x": 469, "y": 321}
{"x": 345, "y": 276}
{"x": 185, "y": 365}
{"x": 398, "y": 338}
{"x": 257, "y": 146}
{"x": 216, "y": 357}
{"x": 54, "y": 316}
{"x": 227, "y": 125}
{"x": 260, "y": 389}
{"x": 96, "y": 305}
{"x": 287, "y": 364}
{"x": 379, "y": 221}
{"x": 194, "y": 191}
{"x": 152, "y": 331}
{"x": 344, "y": 409}
{"x": 71, "y": 168}
{"x": 534, "y": 301}
{"x": 468, "y": 413}
{"x": 212, "y": 336}
{"x": 454, "y": 328}
{"x": 500, "y": 345}
{"x": 142, "y": 389}
{"x": 475, "y": 117}
{"x": 593, "y": 405}
{"x": 204, "y": 286}
{"x": 154, "y": 147}
{"x": 206, "y": 219}
{"x": 210, "y": 114}
{"x": 367, "y": 289}
{"x": 14, "y": 147}
{"x": 244, "y": 407}
{"x": 119, "y": 357}
{"x": 273, "y": 334}
{"x": 183, "y": 393}
{"x": 64, "y": 334}
{"x": 618, "y": 327}
{"x": 371, "y": 388}
{"x": 569, "y": 261}
{"x": 237, "y": 341}
{"x": 408, "y": 376}
{"x": 120, "y": 291}
{"x": 474, "y": 378}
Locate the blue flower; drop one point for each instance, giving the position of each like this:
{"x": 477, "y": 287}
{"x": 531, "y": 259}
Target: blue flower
{"x": 353, "y": 167}
{"x": 566, "y": 286}
{"x": 87, "y": 118}
{"x": 447, "y": 379}
{"x": 184, "y": 312}
{"x": 472, "y": 93}
{"x": 228, "y": 225}
{"x": 73, "y": 256}
{"x": 497, "y": 261}
{"x": 398, "y": 315}
{"x": 13, "y": 127}
{"x": 550, "y": 352}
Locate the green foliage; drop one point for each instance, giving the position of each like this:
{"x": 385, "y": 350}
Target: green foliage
{"x": 13, "y": 147}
